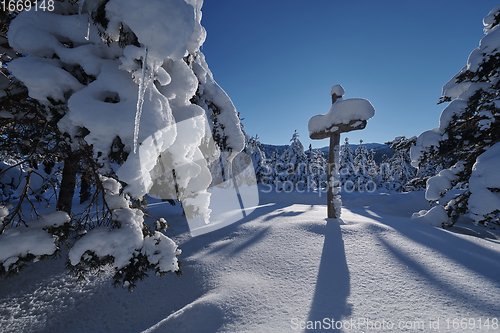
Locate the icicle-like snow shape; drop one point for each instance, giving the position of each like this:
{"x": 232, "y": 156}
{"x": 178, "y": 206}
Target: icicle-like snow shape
{"x": 80, "y": 7}
{"x": 88, "y": 29}
{"x": 143, "y": 85}
{"x": 150, "y": 79}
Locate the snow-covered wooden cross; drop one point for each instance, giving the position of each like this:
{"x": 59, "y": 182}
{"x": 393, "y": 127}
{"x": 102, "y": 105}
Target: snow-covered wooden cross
{"x": 344, "y": 116}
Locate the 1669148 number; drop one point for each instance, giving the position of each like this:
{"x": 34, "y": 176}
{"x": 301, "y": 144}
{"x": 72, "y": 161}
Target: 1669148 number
{"x": 26, "y": 5}
{"x": 472, "y": 323}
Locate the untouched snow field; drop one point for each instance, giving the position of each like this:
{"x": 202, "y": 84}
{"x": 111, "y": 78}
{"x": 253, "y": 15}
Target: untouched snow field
{"x": 286, "y": 268}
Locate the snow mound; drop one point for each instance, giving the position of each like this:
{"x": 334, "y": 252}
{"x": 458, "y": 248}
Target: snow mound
{"x": 32, "y": 239}
{"x": 337, "y": 90}
{"x": 436, "y": 216}
{"x": 342, "y": 112}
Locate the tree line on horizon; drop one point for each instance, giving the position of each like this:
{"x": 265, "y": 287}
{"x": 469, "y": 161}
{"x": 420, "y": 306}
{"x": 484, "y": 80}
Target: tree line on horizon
{"x": 296, "y": 168}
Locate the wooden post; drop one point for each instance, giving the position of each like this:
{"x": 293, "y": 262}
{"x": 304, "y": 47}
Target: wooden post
{"x": 333, "y": 132}
{"x": 334, "y": 142}
{"x": 332, "y": 152}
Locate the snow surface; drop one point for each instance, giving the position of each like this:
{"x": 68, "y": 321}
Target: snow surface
{"x": 281, "y": 266}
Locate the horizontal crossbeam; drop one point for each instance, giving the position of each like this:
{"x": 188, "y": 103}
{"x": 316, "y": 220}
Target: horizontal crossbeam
{"x": 338, "y": 128}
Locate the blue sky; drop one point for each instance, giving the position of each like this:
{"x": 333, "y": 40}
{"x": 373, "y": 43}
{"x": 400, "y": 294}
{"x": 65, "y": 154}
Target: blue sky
{"x": 277, "y": 60}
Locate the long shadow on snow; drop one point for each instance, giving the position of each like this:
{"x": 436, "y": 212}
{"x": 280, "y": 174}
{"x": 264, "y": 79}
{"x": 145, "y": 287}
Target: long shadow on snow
{"x": 333, "y": 283}
{"x": 475, "y": 258}
{"x": 198, "y": 243}
{"x": 269, "y": 203}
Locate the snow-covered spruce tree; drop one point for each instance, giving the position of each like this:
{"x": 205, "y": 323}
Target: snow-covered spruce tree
{"x": 31, "y": 147}
{"x": 317, "y": 168}
{"x": 426, "y": 169}
{"x": 292, "y": 166}
{"x": 126, "y": 82}
{"x": 346, "y": 169}
{"x": 467, "y": 141}
{"x": 401, "y": 172}
{"x": 25, "y": 143}
{"x": 385, "y": 172}
{"x": 271, "y": 176}
{"x": 361, "y": 170}
{"x": 254, "y": 149}
{"x": 373, "y": 170}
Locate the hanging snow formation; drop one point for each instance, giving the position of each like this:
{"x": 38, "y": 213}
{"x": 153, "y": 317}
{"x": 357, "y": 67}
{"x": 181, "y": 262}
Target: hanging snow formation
{"x": 139, "y": 92}
{"x": 135, "y": 81}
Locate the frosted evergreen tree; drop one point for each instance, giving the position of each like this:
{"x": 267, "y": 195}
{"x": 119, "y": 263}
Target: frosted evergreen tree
{"x": 346, "y": 169}
{"x": 361, "y": 169}
{"x": 253, "y": 148}
{"x": 466, "y": 143}
{"x": 385, "y": 173}
{"x": 373, "y": 171}
{"x": 292, "y": 166}
{"x": 427, "y": 169}
{"x": 308, "y": 153}
{"x": 401, "y": 170}
{"x": 282, "y": 172}
{"x": 272, "y": 169}
{"x": 128, "y": 86}
{"x": 317, "y": 168}
{"x": 31, "y": 146}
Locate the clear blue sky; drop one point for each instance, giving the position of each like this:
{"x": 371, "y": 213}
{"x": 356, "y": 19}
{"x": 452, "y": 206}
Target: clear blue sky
{"x": 277, "y": 60}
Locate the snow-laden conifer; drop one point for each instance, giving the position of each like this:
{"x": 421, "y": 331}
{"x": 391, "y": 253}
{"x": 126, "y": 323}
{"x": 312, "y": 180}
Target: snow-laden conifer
{"x": 292, "y": 166}
{"x": 254, "y": 149}
{"x": 401, "y": 172}
{"x": 466, "y": 141}
{"x": 346, "y": 169}
{"x": 317, "y": 169}
{"x": 132, "y": 97}
{"x": 361, "y": 175}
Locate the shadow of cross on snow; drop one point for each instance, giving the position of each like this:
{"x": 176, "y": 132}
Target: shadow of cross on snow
{"x": 333, "y": 285}
{"x": 344, "y": 116}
